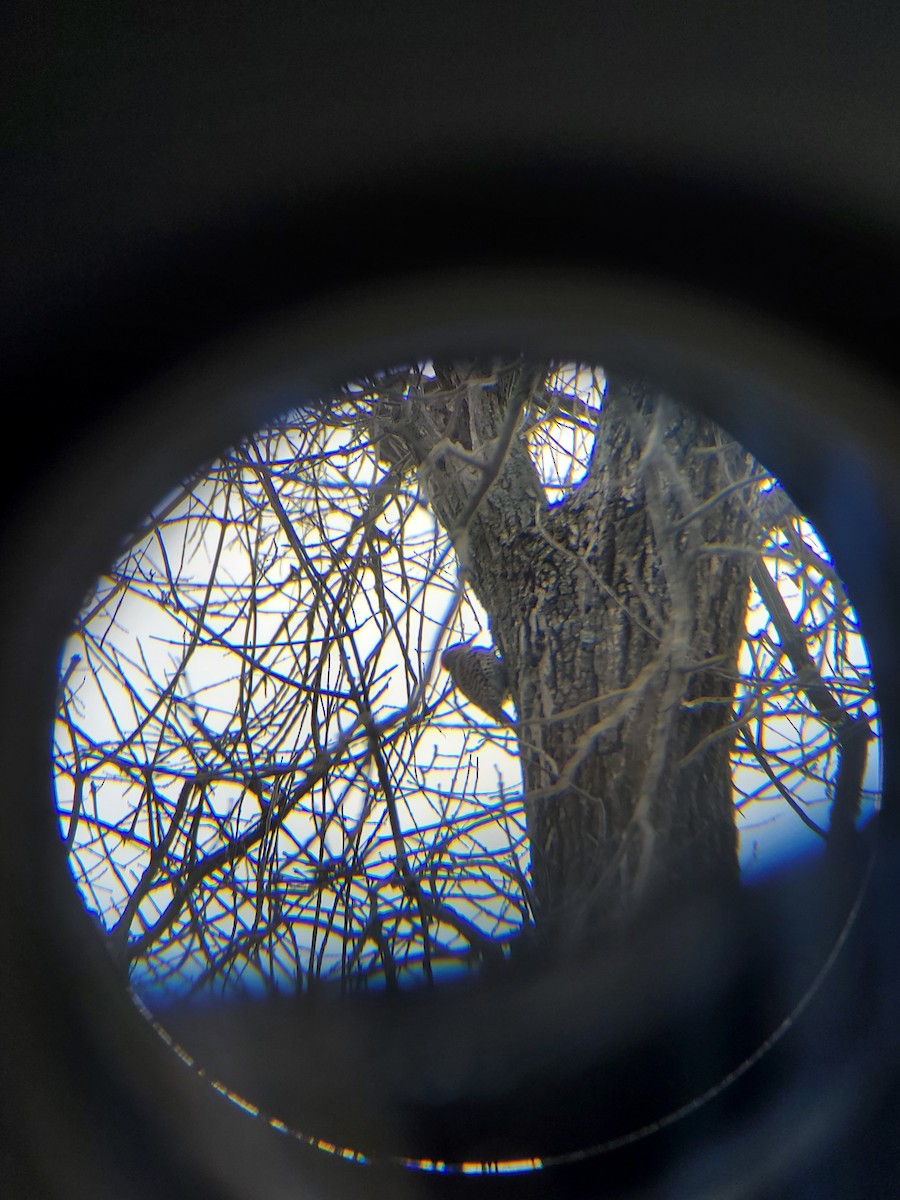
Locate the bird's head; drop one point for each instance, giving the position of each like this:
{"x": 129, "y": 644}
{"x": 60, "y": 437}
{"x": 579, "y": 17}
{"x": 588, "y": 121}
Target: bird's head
{"x": 452, "y": 652}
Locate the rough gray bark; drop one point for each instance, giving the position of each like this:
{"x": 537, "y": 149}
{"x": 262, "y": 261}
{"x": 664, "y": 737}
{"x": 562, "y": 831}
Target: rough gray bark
{"x": 619, "y": 613}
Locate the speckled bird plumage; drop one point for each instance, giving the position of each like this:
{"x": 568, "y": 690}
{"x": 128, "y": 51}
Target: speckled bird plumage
{"x": 481, "y": 676}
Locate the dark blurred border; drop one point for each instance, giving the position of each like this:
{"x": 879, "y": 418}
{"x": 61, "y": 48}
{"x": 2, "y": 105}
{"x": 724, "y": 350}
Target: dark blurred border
{"x": 171, "y": 177}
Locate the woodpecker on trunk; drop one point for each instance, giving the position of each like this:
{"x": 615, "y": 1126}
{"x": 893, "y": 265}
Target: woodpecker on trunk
{"x": 480, "y": 674}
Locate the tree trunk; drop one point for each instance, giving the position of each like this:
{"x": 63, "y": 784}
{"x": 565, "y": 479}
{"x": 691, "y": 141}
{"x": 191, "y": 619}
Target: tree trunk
{"x": 619, "y": 613}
